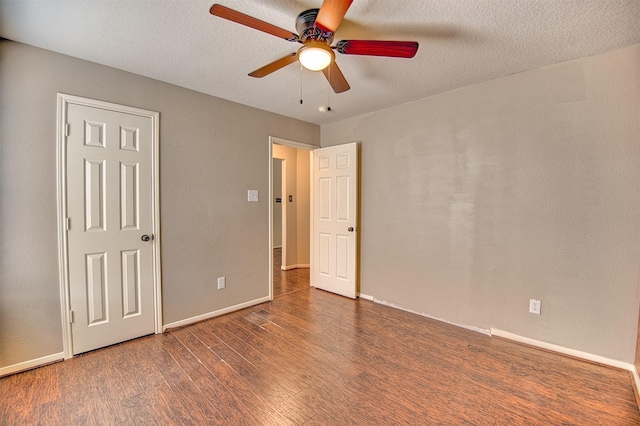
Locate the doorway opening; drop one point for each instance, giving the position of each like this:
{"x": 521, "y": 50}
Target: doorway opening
{"x": 289, "y": 216}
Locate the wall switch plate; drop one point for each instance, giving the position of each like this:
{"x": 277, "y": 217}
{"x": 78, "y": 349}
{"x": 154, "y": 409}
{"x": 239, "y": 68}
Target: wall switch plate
{"x": 252, "y": 195}
{"x": 222, "y": 283}
{"x": 534, "y": 306}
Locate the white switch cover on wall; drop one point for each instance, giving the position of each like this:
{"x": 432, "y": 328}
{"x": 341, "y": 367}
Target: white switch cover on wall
{"x": 253, "y": 195}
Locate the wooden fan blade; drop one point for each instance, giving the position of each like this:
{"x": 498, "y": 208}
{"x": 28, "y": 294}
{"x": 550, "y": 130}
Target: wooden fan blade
{"x": 251, "y": 22}
{"x": 336, "y": 78}
{"x": 395, "y": 49}
{"x": 331, "y": 14}
{"x": 274, "y": 66}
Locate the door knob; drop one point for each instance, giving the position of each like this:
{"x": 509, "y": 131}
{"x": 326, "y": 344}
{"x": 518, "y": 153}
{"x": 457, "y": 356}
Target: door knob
{"x": 350, "y": 229}
{"x": 145, "y": 238}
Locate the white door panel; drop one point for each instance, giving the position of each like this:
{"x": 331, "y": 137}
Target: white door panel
{"x": 110, "y": 206}
{"x": 335, "y": 202}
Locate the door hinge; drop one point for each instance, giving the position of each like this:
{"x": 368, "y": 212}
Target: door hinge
{"x": 67, "y": 129}
{"x": 68, "y": 223}
{"x": 70, "y": 317}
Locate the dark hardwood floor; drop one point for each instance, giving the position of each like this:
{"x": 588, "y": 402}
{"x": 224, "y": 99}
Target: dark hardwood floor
{"x": 310, "y": 357}
{"x": 285, "y": 282}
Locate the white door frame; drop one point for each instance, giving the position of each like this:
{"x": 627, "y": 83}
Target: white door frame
{"x": 301, "y": 145}
{"x": 61, "y": 170}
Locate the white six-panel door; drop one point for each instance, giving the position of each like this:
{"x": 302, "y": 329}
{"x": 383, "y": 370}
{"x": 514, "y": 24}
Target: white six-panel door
{"x": 335, "y": 213}
{"x": 109, "y": 187}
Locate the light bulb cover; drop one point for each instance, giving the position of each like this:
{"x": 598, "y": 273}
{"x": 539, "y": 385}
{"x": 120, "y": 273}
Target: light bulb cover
{"x": 315, "y": 56}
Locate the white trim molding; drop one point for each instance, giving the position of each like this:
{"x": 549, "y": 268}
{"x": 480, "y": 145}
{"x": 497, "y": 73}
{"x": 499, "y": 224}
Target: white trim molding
{"x": 214, "y": 314}
{"x": 494, "y": 332}
{"x": 467, "y": 327}
{"x": 289, "y": 267}
{"x": 27, "y": 365}
{"x": 636, "y": 383}
{"x": 365, "y": 297}
{"x": 567, "y": 351}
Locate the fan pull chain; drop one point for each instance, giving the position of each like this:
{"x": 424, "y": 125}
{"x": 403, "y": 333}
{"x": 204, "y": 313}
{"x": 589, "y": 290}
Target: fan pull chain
{"x": 329, "y": 90}
{"x": 300, "y": 84}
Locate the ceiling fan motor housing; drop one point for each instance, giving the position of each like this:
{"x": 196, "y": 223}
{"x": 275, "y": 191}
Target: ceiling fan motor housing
{"x": 308, "y": 32}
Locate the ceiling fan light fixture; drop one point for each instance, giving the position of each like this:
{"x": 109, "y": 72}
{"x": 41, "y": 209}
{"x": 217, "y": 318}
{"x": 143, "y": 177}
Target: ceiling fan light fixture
{"x": 315, "y": 56}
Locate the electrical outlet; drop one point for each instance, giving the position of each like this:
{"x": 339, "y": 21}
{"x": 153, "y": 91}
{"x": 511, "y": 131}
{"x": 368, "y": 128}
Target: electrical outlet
{"x": 222, "y": 283}
{"x": 534, "y": 306}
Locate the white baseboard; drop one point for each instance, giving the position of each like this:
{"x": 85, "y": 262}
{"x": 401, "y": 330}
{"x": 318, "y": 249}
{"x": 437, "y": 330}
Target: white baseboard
{"x": 277, "y": 247}
{"x": 365, "y": 297}
{"x": 468, "y": 327}
{"x": 27, "y": 365}
{"x": 567, "y": 351}
{"x": 213, "y": 314}
{"x": 531, "y": 342}
{"x": 289, "y": 267}
{"x": 636, "y": 382}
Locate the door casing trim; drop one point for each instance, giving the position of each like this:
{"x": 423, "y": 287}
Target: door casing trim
{"x": 64, "y": 100}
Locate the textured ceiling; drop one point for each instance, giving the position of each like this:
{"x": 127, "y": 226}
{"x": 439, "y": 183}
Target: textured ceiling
{"x": 462, "y": 42}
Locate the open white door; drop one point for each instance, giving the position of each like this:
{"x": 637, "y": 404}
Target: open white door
{"x": 110, "y": 227}
{"x": 335, "y": 213}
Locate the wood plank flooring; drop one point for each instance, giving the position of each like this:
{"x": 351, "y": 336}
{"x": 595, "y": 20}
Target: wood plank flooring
{"x": 286, "y": 282}
{"x": 313, "y": 358}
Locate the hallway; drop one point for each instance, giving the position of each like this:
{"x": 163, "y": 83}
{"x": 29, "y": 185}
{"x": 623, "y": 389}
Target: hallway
{"x": 287, "y": 282}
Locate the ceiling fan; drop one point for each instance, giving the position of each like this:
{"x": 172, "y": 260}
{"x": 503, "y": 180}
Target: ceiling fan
{"x": 316, "y": 28}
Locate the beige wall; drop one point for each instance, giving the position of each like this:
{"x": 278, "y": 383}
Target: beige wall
{"x": 473, "y": 201}
{"x": 277, "y": 207}
{"x": 303, "y": 208}
{"x": 528, "y": 186}
{"x": 209, "y": 158}
{"x": 289, "y": 212}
